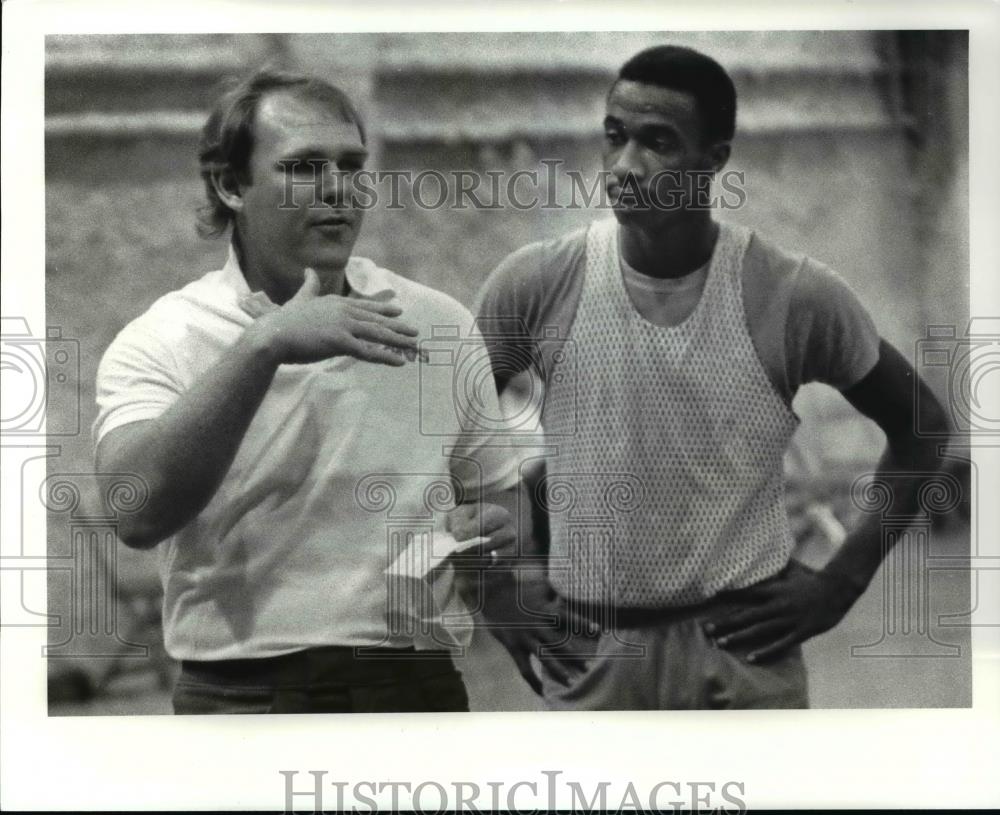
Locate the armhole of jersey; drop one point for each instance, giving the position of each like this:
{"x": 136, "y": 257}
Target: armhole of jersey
{"x": 562, "y": 270}
{"x": 768, "y": 282}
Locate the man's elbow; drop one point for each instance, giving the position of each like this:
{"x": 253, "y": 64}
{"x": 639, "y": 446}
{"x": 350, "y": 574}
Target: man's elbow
{"x": 933, "y": 419}
{"x": 919, "y": 447}
{"x": 935, "y": 431}
{"x": 138, "y": 533}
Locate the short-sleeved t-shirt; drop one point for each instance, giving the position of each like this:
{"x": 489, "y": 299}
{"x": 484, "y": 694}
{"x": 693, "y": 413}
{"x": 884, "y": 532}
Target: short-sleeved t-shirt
{"x": 343, "y": 464}
{"x": 806, "y": 323}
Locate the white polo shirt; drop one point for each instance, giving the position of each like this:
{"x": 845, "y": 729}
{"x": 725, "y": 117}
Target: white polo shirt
{"x": 343, "y": 465}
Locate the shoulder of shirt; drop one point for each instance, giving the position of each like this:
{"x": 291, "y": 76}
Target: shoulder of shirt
{"x": 778, "y": 308}
{"x": 767, "y": 262}
{"x": 169, "y": 317}
{"x": 805, "y": 282}
{"x": 542, "y": 263}
{"x": 791, "y": 301}
{"x": 436, "y": 304}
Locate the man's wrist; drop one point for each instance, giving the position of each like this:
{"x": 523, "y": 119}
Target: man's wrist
{"x": 261, "y": 342}
{"x": 846, "y": 582}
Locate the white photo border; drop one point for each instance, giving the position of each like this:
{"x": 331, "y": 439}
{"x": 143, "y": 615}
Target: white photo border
{"x": 793, "y": 759}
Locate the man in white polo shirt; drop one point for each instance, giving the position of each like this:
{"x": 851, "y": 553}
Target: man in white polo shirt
{"x": 274, "y": 408}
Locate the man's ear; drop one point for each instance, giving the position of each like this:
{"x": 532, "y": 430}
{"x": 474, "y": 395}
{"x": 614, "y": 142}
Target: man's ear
{"x": 228, "y": 189}
{"x": 718, "y": 155}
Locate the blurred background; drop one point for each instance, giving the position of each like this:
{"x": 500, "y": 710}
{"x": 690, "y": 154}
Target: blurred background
{"x": 854, "y": 147}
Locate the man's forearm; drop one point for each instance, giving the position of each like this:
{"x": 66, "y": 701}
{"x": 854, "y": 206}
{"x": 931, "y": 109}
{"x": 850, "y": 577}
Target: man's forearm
{"x": 902, "y": 470}
{"x": 184, "y": 454}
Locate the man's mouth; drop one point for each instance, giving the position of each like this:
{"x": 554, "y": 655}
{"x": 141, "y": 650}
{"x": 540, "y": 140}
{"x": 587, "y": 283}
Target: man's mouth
{"x": 627, "y": 200}
{"x": 333, "y": 221}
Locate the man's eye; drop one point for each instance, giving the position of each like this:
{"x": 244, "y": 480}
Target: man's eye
{"x": 663, "y": 144}
{"x": 615, "y": 137}
{"x": 306, "y": 169}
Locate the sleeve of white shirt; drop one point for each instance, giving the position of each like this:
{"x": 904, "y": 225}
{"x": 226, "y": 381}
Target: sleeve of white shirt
{"x": 137, "y": 379}
{"x": 483, "y": 461}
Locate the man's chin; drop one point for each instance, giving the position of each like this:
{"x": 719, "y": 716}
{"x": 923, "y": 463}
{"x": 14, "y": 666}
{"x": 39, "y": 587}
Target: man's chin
{"x": 624, "y": 213}
{"x": 634, "y": 215}
{"x": 328, "y": 257}
{"x": 650, "y": 219}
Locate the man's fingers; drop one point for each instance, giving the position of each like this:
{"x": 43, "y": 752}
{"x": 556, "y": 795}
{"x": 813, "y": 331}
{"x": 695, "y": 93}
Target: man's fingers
{"x": 774, "y": 650}
{"x": 399, "y": 326}
{"x": 461, "y": 522}
{"x": 556, "y": 668}
{"x": 457, "y": 520}
{"x": 375, "y": 306}
{"x": 376, "y": 333}
{"x": 462, "y": 530}
{"x": 482, "y": 520}
{"x": 564, "y": 660}
{"x": 493, "y": 518}
{"x": 569, "y": 645}
{"x": 310, "y": 287}
{"x": 368, "y": 352}
{"x": 383, "y": 316}
{"x": 570, "y": 663}
{"x": 527, "y": 670}
{"x": 736, "y": 620}
{"x": 497, "y": 540}
{"x": 497, "y": 525}
{"x": 756, "y": 635}
{"x": 522, "y": 645}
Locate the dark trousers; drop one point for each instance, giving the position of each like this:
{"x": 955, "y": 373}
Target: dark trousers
{"x": 324, "y": 680}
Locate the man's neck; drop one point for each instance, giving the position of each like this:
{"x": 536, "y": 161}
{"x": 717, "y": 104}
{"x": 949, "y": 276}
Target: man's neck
{"x": 673, "y": 250}
{"x": 258, "y": 278}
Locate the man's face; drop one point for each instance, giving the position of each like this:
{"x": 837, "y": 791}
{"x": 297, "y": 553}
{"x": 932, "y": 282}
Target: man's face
{"x": 652, "y": 143}
{"x": 296, "y": 211}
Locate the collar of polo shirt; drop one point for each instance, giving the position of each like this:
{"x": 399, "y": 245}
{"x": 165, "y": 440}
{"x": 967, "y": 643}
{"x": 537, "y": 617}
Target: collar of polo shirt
{"x": 363, "y": 275}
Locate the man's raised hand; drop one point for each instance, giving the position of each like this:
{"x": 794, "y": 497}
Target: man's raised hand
{"x": 312, "y": 327}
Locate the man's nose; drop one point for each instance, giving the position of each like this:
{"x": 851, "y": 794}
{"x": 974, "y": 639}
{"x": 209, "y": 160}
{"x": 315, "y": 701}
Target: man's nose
{"x": 628, "y": 162}
{"x": 336, "y": 186}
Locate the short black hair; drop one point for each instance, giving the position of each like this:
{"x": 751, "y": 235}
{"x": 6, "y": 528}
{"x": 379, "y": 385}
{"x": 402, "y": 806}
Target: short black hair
{"x": 684, "y": 69}
{"x": 227, "y": 139}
